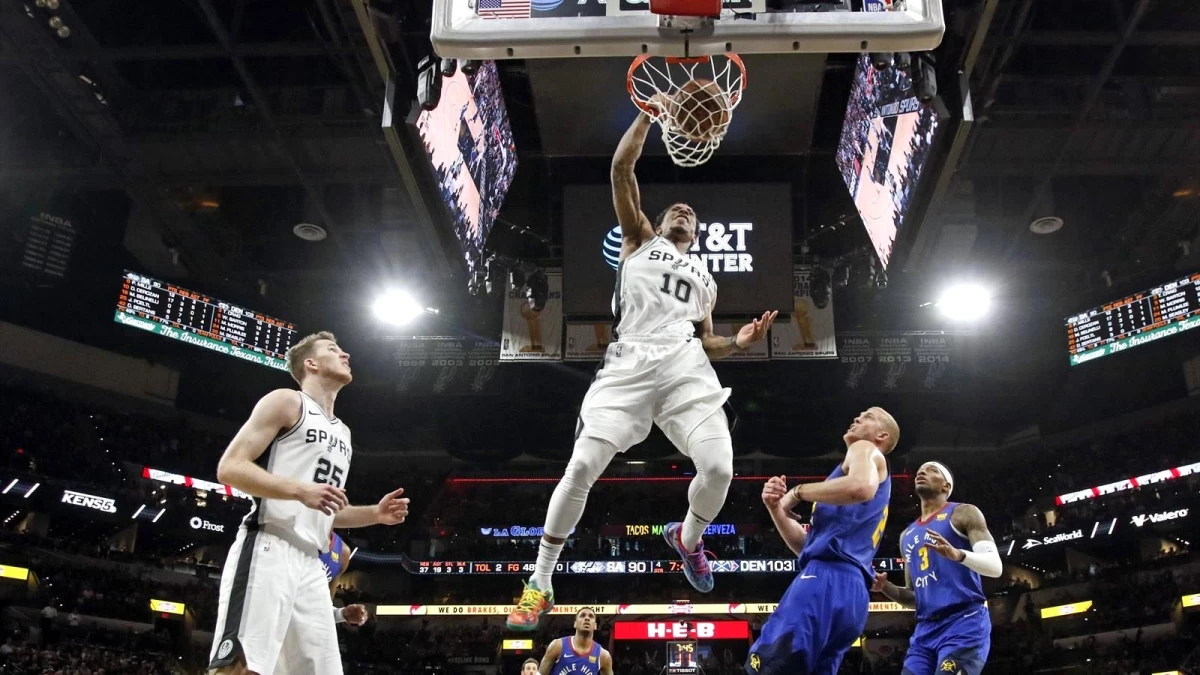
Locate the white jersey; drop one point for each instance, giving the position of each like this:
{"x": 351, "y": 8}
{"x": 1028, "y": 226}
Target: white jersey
{"x": 661, "y": 292}
{"x": 315, "y": 450}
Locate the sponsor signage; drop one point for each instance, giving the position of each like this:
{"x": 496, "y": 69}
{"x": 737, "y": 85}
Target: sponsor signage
{"x": 516, "y": 645}
{"x": 1160, "y": 517}
{"x": 198, "y": 523}
{"x": 167, "y": 607}
{"x": 17, "y": 573}
{"x": 105, "y": 504}
{"x": 608, "y": 610}
{"x": 1052, "y": 539}
{"x": 1129, "y": 484}
{"x": 187, "y": 481}
{"x": 681, "y": 630}
{"x": 515, "y": 531}
{"x": 1192, "y": 600}
{"x": 656, "y": 530}
{"x": 1066, "y": 610}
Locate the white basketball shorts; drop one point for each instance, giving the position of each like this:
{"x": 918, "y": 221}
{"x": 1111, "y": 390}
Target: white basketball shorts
{"x": 275, "y": 609}
{"x": 642, "y": 381}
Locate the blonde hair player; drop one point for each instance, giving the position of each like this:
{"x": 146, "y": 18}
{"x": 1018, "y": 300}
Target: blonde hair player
{"x": 657, "y": 371}
{"x": 293, "y": 457}
{"x": 825, "y": 608}
{"x": 941, "y": 579}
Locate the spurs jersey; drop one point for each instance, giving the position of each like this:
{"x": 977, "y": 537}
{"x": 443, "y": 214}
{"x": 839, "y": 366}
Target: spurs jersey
{"x": 661, "y": 292}
{"x": 317, "y": 450}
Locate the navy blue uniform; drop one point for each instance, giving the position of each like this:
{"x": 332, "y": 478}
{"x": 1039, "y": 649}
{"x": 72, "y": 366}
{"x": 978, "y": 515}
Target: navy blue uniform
{"x": 332, "y": 560}
{"x": 954, "y": 630}
{"x": 571, "y": 662}
{"x": 825, "y": 609}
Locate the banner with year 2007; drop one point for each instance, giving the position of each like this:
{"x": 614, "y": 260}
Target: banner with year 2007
{"x": 808, "y": 333}
{"x": 529, "y": 334}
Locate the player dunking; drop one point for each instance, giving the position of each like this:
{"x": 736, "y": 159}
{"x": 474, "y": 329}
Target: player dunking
{"x": 577, "y": 654}
{"x": 293, "y": 456}
{"x": 954, "y": 630}
{"x": 657, "y": 371}
{"x": 825, "y": 608}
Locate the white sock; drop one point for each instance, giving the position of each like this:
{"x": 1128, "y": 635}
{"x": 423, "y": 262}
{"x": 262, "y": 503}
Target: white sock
{"x": 693, "y": 530}
{"x": 713, "y": 457}
{"x": 547, "y": 558}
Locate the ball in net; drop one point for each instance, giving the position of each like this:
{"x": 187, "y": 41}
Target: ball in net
{"x": 701, "y": 110}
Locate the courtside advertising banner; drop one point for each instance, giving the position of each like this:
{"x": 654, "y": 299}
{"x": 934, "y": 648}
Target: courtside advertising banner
{"x": 588, "y": 340}
{"x": 609, "y": 610}
{"x": 531, "y": 335}
{"x": 681, "y": 630}
{"x": 808, "y": 332}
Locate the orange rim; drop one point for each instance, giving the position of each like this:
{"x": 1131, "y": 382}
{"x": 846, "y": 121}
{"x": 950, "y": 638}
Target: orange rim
{"x": 734, "y": 96}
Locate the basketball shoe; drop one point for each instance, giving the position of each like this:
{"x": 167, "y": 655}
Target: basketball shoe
{"x": 695, "y": 565}
{"x": 533, "y": 604}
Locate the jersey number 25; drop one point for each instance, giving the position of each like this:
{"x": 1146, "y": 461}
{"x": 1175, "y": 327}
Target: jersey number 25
{"x": 327, "y": 473}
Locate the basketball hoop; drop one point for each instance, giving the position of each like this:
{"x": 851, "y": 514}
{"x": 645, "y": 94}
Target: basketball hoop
{"x": 691, "y": 99}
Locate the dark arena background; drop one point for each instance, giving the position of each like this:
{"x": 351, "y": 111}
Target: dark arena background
{"x": 997, "y": 240}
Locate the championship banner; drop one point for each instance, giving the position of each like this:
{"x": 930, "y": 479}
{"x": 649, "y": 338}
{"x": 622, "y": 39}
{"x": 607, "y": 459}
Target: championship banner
{"x": 531, "y": 335}
{"x": 444, "y": 365}
{"x": 756, "y": 352}
{"x": 608, "y": 610}
{"x": 588, "y": 340}
{"x": 898, "y": 362}
{"x": 809, "y": 334}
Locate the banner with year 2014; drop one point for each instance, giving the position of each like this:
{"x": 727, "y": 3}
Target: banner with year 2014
{"x": 529, "y": 334}
{"x": 808, "y": 332}
{"x": 899, "y": 362}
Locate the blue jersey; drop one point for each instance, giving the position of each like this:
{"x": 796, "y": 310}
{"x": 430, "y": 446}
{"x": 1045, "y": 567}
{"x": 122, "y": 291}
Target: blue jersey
{"x": 848, "y": 533}
{"x": 571, "y": 662}
{"x": 942, "y": 587}
{"x": 333, "y": 561}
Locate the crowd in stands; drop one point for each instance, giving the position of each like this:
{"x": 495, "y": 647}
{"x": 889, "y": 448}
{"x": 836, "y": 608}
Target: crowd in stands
{"x": 87, "y": 650}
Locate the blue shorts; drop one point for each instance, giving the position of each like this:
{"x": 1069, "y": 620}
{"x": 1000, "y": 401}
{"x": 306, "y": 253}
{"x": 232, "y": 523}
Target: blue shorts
{"x": 822, "y": 613}
{"x": 957, "y": 644}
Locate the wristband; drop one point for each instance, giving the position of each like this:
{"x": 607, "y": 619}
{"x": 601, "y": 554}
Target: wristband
{"x": 733, "y": 341}
{"x": 339, "y": 615}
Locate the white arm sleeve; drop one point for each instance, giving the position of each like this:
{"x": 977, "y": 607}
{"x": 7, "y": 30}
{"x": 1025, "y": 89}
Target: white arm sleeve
{"x": 338, "y": 617}
{"x": 984, "y": 559}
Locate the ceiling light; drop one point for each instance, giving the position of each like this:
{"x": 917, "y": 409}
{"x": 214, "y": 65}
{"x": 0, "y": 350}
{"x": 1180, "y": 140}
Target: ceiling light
{"x": 964, "y": 302}
{"x": 397, "y": 308}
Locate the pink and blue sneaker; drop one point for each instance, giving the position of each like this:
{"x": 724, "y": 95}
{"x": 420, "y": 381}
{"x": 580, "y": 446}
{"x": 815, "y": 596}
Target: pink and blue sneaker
{"x": 695, "y": 565}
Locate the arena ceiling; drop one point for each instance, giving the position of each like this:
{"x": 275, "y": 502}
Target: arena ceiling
{"x": 202, "y": 131}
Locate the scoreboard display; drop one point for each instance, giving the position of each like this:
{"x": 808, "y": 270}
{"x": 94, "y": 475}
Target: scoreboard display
{"x": 614, "y": 566}
{"x": 1144, "y": 317}
{"x": 185, "y": 315}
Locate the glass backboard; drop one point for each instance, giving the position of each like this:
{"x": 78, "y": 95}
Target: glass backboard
{"x": 529, "y": 29}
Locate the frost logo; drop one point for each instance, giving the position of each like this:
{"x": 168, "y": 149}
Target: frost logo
{"x": 199, "y": 523}
{"x": 611, "y": 248}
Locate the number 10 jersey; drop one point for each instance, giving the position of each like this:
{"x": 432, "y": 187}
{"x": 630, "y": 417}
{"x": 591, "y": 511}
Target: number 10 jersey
{"x": 661, "y": 292}
{"x": 315, "y": 450}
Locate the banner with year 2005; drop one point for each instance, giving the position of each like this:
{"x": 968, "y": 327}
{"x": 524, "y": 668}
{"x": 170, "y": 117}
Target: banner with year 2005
{"x": 808, "y": 333}
{"x": 530, "y": 334}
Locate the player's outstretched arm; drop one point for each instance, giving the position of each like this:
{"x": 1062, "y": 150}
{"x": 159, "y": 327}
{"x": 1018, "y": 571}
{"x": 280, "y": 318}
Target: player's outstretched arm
{"x": 605, "y": 662}
{"x": 391, "y": 510}
{"x": 627, "y": 198}
{"x": 787, "y": 524}
{"x": 275, "y": 412}
{"x": 865, "y": 463}
{"x": 903, "y": 595}
{"x": 717, "y": 347}
{"x": 553, "y": 653}
{"x": 983, "y": 557}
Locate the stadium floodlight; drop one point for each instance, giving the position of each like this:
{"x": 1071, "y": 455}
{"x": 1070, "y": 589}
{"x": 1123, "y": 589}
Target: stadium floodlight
{"x": 965, "y": 302}
{"x": 397, "y": 308}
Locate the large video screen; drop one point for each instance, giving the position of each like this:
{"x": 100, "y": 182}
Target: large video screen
{"x": 745, "y": 242}
{"x": 886, "y": 138}
{"x": 469, "y": 142}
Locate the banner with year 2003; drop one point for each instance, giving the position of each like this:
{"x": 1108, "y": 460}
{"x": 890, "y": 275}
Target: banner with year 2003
{"x": 530, "y": 334}
{"x": 808, "y": 333}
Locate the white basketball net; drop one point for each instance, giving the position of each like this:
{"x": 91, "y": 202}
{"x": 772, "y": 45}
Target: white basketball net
{"x": 693, "y": 118}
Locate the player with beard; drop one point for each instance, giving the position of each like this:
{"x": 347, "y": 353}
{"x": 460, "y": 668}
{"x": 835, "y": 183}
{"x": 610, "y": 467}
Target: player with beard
{"x": 941, "y": 579}
{"x": 825, "y": 608}
{"x": 658, "y": 371}
{"x": 577, "y": 654}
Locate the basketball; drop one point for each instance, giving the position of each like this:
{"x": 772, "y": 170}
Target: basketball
{"x": 701, "y": 110}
